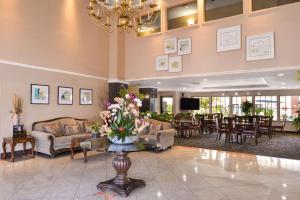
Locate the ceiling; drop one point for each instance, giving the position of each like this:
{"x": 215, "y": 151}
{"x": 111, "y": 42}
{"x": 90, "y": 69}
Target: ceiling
{"x": 230, "y": 81}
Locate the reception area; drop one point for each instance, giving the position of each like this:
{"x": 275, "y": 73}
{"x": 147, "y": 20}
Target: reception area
{"x": 149, "y": 99}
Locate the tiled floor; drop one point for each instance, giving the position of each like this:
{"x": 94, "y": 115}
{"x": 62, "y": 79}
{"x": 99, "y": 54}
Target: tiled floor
{"x": 181, "y": 173}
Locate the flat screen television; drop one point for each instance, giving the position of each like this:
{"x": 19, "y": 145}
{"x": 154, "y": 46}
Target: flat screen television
{"x": 189, "y": 104}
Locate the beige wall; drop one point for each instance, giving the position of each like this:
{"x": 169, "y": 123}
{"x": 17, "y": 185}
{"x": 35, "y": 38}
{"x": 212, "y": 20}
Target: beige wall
{"x": 54, "y": 34}
{"x": 17, "y": 80}
{"x": 140, "y": 53}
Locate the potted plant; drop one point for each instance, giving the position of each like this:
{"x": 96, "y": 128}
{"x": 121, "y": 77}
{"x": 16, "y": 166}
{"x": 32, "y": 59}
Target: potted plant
{"x": 120, "y": 119}
{"x": 296, "y": 123}
{"x": 246, "y": 107}
{"x": 95, "y": 129}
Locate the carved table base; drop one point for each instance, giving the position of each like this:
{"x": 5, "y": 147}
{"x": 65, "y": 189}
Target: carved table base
{"x": 121, "y": 184}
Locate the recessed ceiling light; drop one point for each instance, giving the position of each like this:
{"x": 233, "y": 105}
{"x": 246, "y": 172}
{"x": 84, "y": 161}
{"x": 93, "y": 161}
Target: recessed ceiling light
{"x": 236, "y": 94}
{"x": 280, "y": 75}
{"x": 205, "y": 80}
{"x": 158, "y": 194}
{"x": 158, "y": 82}
{"x": 223, "y": 94}
{"x": 258, "y": 93}
{"x": 283, "y": 197}
{"x": 184, "y": 88}
{"x": 283, "y": 83}
{"x": 284, "y": 185}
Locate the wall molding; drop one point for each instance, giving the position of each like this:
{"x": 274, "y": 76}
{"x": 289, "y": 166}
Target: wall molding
{"x": 22, "y": 65}
{"x": 270, "y": 69}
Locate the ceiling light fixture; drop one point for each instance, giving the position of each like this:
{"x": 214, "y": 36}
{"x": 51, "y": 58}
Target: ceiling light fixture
{"x": 126, "y": 15}
{"x": 281, "y": 75}
{"x": 283, "y": 83}
{"x": 158, "y": 82}
{"x": 205, "y": 80}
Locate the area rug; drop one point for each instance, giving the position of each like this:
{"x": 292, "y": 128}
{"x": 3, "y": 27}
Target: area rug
{"x": 281, "y": 145}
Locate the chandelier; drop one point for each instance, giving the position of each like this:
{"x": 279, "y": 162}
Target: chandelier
{"x": 127, "y": 15}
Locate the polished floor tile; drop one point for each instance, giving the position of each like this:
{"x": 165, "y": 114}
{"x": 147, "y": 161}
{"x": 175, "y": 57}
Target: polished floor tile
{"x": 180, "y": 173}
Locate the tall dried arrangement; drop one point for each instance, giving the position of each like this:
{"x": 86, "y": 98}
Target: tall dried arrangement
{"x": 17, "y": 108}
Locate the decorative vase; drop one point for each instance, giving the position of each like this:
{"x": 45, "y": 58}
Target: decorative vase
{"x": 16, "y": 119}
{"x": 128, "y": 140}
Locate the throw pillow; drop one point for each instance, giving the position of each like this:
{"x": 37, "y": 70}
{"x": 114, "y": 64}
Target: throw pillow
{"x": 87, "y": 126}
{"x": 53, "y": 129}
{"x": 143, "y": 129}
{"x": 71, "y": 130}
{"x": 154, "y": 128}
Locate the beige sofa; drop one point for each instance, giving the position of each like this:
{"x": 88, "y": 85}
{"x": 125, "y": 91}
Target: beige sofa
{"x": 52, "y": 145}
{"x": 163, "y": 139}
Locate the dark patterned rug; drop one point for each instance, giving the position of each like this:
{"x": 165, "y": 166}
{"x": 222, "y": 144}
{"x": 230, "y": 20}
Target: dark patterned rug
{"x": 282, "y": 146}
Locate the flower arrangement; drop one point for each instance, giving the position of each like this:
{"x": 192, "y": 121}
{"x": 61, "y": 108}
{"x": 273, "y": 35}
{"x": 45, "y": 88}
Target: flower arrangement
{"x": 17, "y": 108}
{"x": 121, "y": 116}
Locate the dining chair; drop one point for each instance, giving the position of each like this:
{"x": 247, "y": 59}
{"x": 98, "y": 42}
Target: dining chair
{"x": 251, "y": 133}
{"x": 281, "y": 127}
{"x": 265, "y": 125}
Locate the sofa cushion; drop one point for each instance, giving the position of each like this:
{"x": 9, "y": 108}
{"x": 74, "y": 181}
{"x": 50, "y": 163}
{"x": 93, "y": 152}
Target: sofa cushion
{"x": 87, "y": 126}
{"x": 143, "y": 129}
{"x": 71, "y": 130}
{"x": 165, "y": 125}
{"x": 53, "y": 129}
{"x": 154, "y": 128}
{"x": 65, "y": 141}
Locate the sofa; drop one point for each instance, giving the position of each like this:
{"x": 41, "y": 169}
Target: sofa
{"x": 54, "y": 136}
{"x": 162, "y": 138}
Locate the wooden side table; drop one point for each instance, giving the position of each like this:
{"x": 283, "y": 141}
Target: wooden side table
{"x": 13, "y": 141}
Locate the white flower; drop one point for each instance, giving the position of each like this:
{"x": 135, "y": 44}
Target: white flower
{"x": 127, "y": 96}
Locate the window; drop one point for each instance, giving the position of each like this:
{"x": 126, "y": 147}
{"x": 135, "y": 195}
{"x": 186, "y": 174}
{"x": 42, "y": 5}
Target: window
{"x": 266, "y": 106}
{"x": 220, "y": 105}
{"x": 204, "y": 105}
{"x": 154, "y": 28}
{"x": 217, "y": 9}
{"x": 288, "y": 106}
{"x": 182, "y": 15}
{"x": 237, "y": 104}
{"x": 166, "y": 105}
{"x": 263, "y": 4}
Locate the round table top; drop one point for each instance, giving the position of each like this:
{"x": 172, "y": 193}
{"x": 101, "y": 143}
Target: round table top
{"x": 135, "y": 147}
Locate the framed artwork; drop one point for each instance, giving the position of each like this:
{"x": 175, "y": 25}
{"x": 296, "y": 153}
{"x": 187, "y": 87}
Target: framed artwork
{"x": 170, "y": 45}
{"x": 229, "y": 38}
{"x": 65, "y": 96}
{"x": 175, "y": 64}
{"x": 184, "y": 46}
{"x": 39, "y": 94}
{"x": 260, "y": 47}
{"x": 162, "y": 63}
{"x": 86, "y": 96}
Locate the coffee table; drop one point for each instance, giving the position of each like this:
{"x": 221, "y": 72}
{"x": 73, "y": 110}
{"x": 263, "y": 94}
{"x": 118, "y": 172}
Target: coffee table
{"x": 122, "y": 184}
{"x": 94, "y": 144}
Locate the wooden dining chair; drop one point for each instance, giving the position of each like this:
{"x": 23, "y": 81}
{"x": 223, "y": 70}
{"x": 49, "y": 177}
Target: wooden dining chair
{"x": 265, "y": 126}
{"x": 251, "y": 133}
{"x": 280, "y": 128}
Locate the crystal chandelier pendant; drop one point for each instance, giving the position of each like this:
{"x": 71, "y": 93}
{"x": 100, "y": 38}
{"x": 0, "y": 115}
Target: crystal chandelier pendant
{"x": 123, "y": 14}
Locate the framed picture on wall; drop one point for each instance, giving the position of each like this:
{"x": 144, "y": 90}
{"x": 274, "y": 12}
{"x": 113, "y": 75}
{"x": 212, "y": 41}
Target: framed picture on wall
{"x": 185, "y": 46}
{"x": 162, "y": 63}
{"x": 65, "y": 96}
{"x": 260, "y": 47}
{"x": 170, "y": 45}
{"x": 39, "y": 94}
{"x": 229, "y": 38}
{"x": 175, "y": 64}
{"x": 86, "y": 96}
